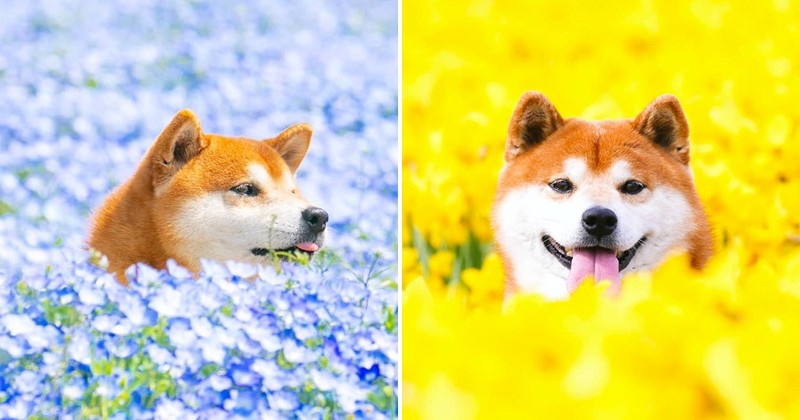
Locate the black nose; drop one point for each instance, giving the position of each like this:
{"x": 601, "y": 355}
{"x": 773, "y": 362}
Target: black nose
{"x": 316, "y": 218}
{"x": 599, "y": 221}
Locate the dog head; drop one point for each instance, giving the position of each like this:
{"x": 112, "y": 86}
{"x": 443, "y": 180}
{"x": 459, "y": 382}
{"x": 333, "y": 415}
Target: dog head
{"x": 579, "y": 198}
{"x": 231, "y": 198}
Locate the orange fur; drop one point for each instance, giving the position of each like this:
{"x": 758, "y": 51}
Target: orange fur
{"x": 134, "y": 224}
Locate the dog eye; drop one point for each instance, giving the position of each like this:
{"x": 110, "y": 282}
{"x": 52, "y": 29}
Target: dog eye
{"x": 249, "y": 190}
{"x": 632, "y": 187}
{"x": 562, "y": 186}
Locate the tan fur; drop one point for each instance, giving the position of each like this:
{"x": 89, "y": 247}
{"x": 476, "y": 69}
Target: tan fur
{"x": 655, "y": 144}
{"x": 134, "y": 223}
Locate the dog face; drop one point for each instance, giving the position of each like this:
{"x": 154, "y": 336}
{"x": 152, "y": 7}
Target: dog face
{"x": 579, "y": 198}
{"x": 233, "y": 198}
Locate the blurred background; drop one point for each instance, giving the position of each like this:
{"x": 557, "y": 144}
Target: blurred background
{"x": 711, "y": 344}
{"x": 87, "y": 88}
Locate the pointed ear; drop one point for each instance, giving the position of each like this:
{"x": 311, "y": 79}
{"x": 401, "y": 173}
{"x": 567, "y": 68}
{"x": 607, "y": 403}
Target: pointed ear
{"x": 664, "y": 123}
{"x": 177, "y": 144}
{"x": 292, "y": 144}
{"x": 534, "y": 119}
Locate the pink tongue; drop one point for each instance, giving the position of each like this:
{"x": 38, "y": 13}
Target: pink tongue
{"x": 308, "y": 246}
{"x": 602, "y": 263}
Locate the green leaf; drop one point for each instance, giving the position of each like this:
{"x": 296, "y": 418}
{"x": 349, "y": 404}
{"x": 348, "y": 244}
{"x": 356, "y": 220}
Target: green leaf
{"x": 384, "y": 398}
{"x": 61, "y": 315}
{"x": 390, "y": 319}
{"x": 6, "y": 208}
{"x": 208, "y": 369}
{"x": 282, "y": 362}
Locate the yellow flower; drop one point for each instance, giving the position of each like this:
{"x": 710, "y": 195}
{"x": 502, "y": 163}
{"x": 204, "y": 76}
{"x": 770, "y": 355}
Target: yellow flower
{"x": 440, "y": 264}
{"x": 721, "y": 343}
{"x": 485, "y": 284}
{"x": 411, "y": 266}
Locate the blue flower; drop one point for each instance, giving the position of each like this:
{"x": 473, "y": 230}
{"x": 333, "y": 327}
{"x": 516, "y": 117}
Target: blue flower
{"x": 135, "y": 309}
{"x": 16, "y": 408}
{"x": 263, "y": 335}
{"x": 105, "y": 323}
{"x": 180, "y": 333}
{"x": 369, "y": 374}
{"x": 123, "y": 348}
{"x": 241, "y": 270}
{"x": 242, "y": 376}
{"x": 51, "y": 364}
{"x": 213, "y": 351}
{"x": 168, "y": 302}
{"x": 18, "y": 325}
{"x": 297, "y": 353}
{"x": 80, "y": 347}
{"x": 324, "y": 381}
{"x": 220, "y": 383}
{"x": 176, "y": 271}
{"x": 245, "y": 402}
{"x": 107, "y": 387}
{"x": 27, "y": 382}
{"x": 235, "y": 340}
{"x": 283, "y": 401}
{"x": 159, "y": 355}
{"x": 202, "y": 327}
{"x": 349, "y": 395}
{"x": 91, "y": 296}
{"x": 191, "y": 359}
{"x": 171, "y": 409}
{"x": 74, "y": 388}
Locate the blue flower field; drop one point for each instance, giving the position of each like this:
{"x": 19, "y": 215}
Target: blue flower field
{"x": 84, "y": 90}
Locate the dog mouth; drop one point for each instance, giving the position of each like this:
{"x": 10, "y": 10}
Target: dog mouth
{"x": 565, "y": 256}
{"x": 308, "y": 248}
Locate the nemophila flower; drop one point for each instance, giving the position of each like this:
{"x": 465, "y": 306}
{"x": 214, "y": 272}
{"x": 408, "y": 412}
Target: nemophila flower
{"x": 107, "y": 387}
{"x": 12, "y": 346}
{"x": 74, "y": 389}
{"x": 27, "y": 382}
{"x": 105, "y": 323}
{"x": 283, "y": 401}
{"x": 17, "y": 409}
{"x": 235, "y": 341}
{"x": 171, "y": 409}
{"x": 91, "y": 296}
{"x": 122, "y": 347}
{"x": 79, "y": 348}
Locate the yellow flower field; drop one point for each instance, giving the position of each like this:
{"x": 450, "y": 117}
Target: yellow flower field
{"x": 722, "y": 343}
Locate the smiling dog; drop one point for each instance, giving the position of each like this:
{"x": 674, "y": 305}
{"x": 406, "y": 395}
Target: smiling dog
{"x": 582, "y": 198}
{"x": 197, "y": 195}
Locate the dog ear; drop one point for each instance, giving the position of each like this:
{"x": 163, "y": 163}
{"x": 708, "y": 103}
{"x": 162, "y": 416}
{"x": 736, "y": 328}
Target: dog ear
{"x": 664, "y": 123}
{"x": 177, "y": 144}
{"x": 534, "y": 119}
{"x": 292, "y": 144}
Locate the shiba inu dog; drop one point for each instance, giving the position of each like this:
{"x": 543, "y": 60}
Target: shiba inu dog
{"x": 583, "y": 198}
{"x": 197, "y": 195}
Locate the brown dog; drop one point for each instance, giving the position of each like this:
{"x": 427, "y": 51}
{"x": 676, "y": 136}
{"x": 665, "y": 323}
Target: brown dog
{"x": 197, "y": 195}
{"x": 581, "y": 198}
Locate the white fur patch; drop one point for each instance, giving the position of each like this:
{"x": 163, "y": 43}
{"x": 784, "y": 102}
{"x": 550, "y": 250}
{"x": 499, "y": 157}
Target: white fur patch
{"x": 259, "y": 175}
{"x": 526, "y": 214}
{"x": 575, "y": 168}
{"x": 210, "y": 227}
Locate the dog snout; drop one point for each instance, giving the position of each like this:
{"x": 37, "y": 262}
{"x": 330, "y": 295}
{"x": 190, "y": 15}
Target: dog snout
{"x": 316, "y": 218}
{"x": 599, "y": 221}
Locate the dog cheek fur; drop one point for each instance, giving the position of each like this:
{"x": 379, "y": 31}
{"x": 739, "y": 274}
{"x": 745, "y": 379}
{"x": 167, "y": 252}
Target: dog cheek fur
{"x": 205, "y": 227}
{"x": 519, "y": 217}
{"x": 667, "y": 219}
